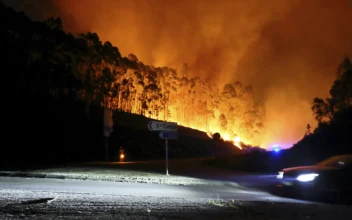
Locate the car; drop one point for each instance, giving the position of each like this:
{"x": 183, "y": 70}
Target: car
{"x": 332, "y": 176}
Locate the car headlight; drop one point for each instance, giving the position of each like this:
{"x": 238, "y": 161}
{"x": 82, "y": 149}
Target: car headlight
{"x": 280, "y": 175}
{"x": 307, "y": 177}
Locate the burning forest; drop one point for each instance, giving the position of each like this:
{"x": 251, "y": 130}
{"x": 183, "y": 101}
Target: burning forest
{"x": 127, "y": 84}
{"x": 249, "y": 70}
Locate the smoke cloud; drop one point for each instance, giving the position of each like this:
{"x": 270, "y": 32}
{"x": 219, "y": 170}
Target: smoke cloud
{"x": 288, "y": 50}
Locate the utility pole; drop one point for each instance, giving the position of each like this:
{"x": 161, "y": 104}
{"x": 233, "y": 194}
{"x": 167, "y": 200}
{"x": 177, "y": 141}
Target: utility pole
{"x": 106, "y": 150}
{"x": 166, "y": 156}
{"x": 165, "y": 117}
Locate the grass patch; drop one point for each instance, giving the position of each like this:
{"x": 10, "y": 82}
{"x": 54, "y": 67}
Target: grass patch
{"x": 233, "y": 204}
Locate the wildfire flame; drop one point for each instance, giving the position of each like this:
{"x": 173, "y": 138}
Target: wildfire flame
{"x": 236, "y": 140}
{"x": 209, "y": 134}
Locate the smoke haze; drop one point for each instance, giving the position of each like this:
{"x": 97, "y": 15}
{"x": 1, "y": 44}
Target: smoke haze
{"x": 288, "y": 50}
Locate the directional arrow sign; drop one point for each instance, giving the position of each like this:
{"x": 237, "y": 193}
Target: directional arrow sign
{"x": 168, "y": 135}
{"x": 162, "y": 126}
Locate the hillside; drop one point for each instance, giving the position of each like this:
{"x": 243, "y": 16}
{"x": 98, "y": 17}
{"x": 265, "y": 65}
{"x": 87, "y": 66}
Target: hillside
{"x": 131, "y": 132}
{"x": 60, "y": 83}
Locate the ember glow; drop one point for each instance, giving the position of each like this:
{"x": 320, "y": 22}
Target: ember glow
{"x": 288, "y": 50}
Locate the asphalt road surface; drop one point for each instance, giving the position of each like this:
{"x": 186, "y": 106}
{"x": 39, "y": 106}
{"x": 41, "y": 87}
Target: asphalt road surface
{"x": 138, "y": 189}
{"x": 31, "y": 198}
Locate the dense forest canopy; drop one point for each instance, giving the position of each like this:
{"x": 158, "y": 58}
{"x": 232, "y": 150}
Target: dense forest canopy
{"x": 46, "y": 60}
{"x": 340, "y": 99}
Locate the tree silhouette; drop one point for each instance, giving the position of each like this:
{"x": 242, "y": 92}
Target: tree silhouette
{"x": 340, "y": 95}
{"x": 341, "y": 90}
{"x": 308, "y": 130}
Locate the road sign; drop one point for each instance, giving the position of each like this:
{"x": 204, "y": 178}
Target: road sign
{"x": 168, "y": 131}
{"x": 107, "y": 131}
{"x": 168, "y": 135}
{"x": 108, "y": 122}
{"x": 162, "y": 126}
{"x": 108, "y": 128}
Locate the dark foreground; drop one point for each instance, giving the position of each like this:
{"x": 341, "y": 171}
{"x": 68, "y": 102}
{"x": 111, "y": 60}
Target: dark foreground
{"x": 76, "y": 199}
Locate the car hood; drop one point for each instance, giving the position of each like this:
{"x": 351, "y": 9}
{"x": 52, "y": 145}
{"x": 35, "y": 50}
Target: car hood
{"x": 308, "y": 169}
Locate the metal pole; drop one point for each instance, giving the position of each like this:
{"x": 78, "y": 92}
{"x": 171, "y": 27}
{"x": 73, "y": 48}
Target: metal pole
{"x": 166, "y": 157}
{"x": 106, "y": 150}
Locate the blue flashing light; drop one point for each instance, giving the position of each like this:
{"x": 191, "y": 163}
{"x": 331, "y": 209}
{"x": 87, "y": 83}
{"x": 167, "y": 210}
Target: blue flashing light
{"x": 276, "y": 148}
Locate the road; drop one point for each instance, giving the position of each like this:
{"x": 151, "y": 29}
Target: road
{"x": 138, "y": 189}
{"x": 85, "y": 199}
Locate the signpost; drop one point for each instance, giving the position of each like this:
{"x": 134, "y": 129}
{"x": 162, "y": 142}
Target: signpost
{"x": 168, "y": 130}
{"x": 162, "y": 126}
{"x": 168, "y": 135}
{"x": 108, "y": 124}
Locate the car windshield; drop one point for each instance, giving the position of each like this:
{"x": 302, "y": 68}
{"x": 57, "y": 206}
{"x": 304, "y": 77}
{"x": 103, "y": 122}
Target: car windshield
{"x": 337, "y": 161}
